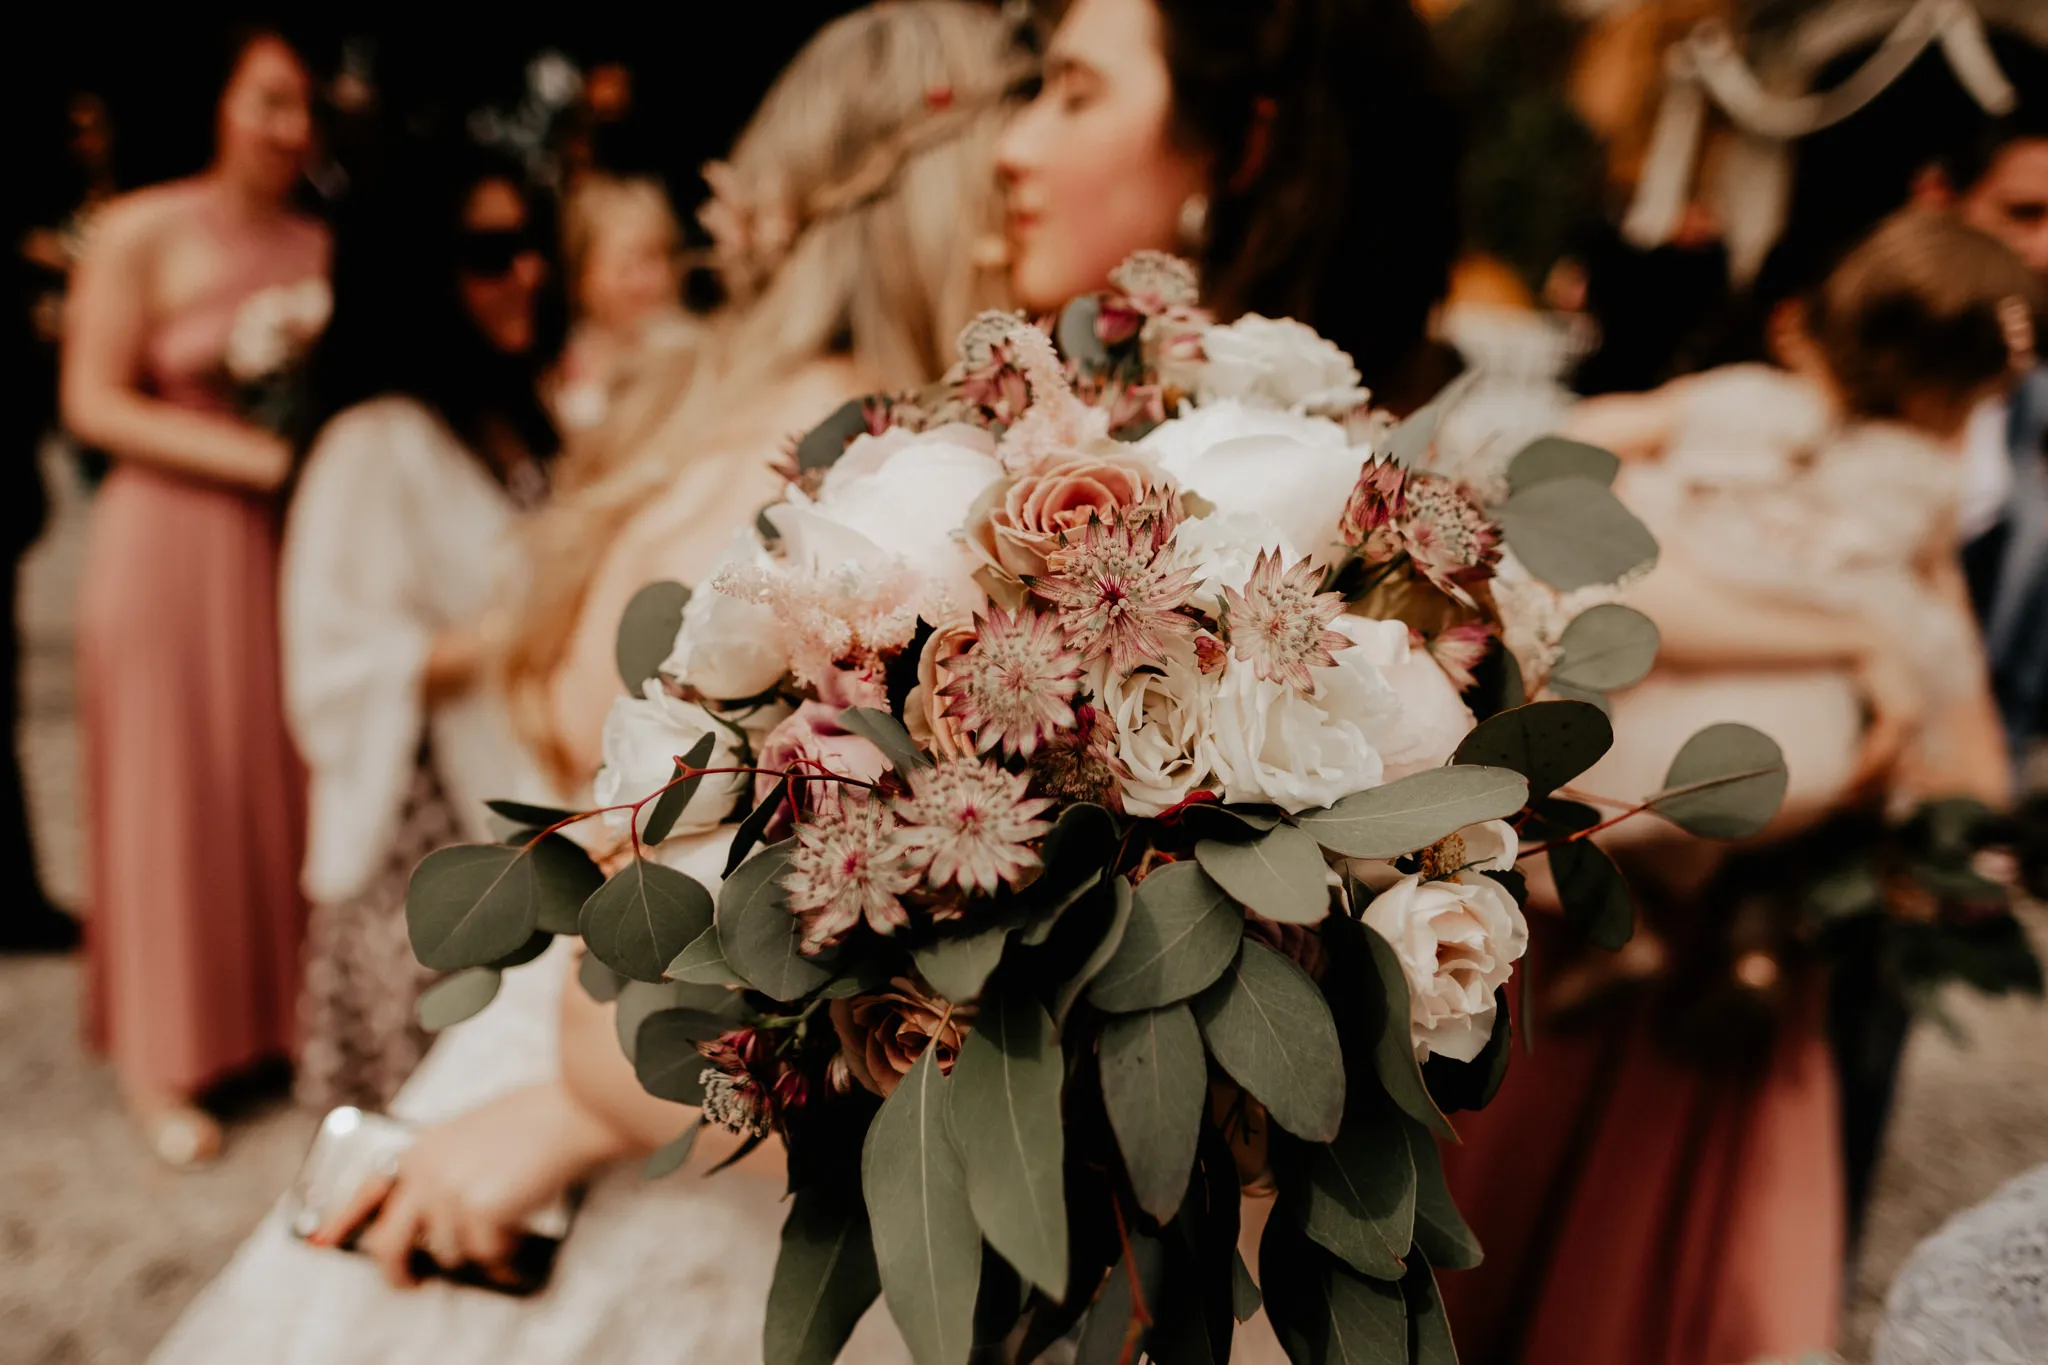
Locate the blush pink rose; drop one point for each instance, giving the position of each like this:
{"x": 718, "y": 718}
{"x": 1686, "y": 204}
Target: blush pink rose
{"x": 1017, "y": 523}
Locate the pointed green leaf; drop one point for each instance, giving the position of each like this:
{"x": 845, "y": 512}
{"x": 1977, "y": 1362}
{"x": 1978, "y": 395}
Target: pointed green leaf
{"x": 1244, "y": 1291}
{"x": 1593, "y": 894}
{"x": 1155, "y": 1085}
{"x": 564, "y": 878}
{"x": 1182, "y": 934}
{"x": 539, "y": 817}
{"x": 647, "y": 632}
{"x": 1548, "y": 742}
{"x": 1554, "y": 457}
{"x": 458, "y": 997}
{"x": 1416, "y": 811}
{"x": 703, "y": 963}
{"x": 760, "y": 936}
{"x": 1122, "y": 900}
{"x": 1429, "y": 1327}
{"x": 1267, "y": 1025}
{"x": 669, "y": 806}
{"x": 958, "y": 964}
{"x": 1440, "y": 1230}
{"x": 1360, "y": 1198}
{"x": 825, "y": 1278}
{"x": 1005, "y": 1097}
{"x": 886, "y": 733}
{"x": 1107, "y": 1329}
{"x": 1281, "y": 874}
{"x": 1574, "y": 533}
{"x": 1077, "y": 854}
{"x": 1324, "y": 1312}
{"x": 668, "y": 1158}
{"x": 638, "y": 921}
{"x": 1605, "y": 648}
{"x": 927, "y": 1244}
{"x": 1399, "y": 1072}
{"x": 471, "y": 904}
{"x": 665, "y": 1057}
{"x": 1207, "y": 820}
{"x": 1726, "y": 783}
{"x": 755, "y": 826}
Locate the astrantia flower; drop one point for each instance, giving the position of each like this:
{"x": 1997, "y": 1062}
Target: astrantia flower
{"x": 966, "y": 823}
{"x": 1155, "y": 281}
{"x": 847, "y": 868}
{"x": 1015, "y": 686}
{"x": 748, "y": 1087}
{"x": 1459, "y": 649}
{"x": 997, "y": 385}
{"x": 1118, "y": 595}
{"x": 1447, "y": 536}
{"x": 1280, "y": 624}
{"x": 1379, "y": 499}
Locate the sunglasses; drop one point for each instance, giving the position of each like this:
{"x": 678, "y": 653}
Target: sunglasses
{"x": 491, "y": 252}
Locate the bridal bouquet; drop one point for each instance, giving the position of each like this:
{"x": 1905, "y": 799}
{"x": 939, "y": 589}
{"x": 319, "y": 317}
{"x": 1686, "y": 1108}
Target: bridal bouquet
{"x": 1066, "y": 810}
{"x": 268, "y": 341}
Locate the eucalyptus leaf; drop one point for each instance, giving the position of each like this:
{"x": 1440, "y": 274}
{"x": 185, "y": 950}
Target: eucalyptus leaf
{"x": 1458, "y": 1086}
{"x": 825, "y": 1278}
{"x": 670, "y": 805}
{"x": 1267, "y": 1025}
{"x": 956, "y": 965}
{"x": 665, "y": 1057}
{"x": 1394, "y": 1054}
{"x": 1564, "y": 691}
{"x": 1606, "y": 647}
{"x": 1005, "y": 1108}
{"x": 1593, "y": 894}
{"x": 755, "y": 826}
{"x": 458, "y": 997}
{"x": 761, "y": 938}
{"x": 1208, "y": 820}
{"x": 1155, "y": 1085}
{"x": 1574, "y": 533}
{"x": 1429, "y": 1326}
{"x": 1359, "y": 1198}
{"x": 1244, "y": 1291}
{"x": 1123, "y": 899}
{"x": 539, "y": 817}
{"x": 471, "y": 904}
{"x": 1554, "y": 457}
{"x": 668, "y": 1158}
{"x": 1183, "y": 932}
{"x": 599, "y": 982}
{"x": 1415, "y": 811}
{"x": 926, "y": 1242}
{"x": 638, "y": 921}
{"x": 1324, "y": 1312}
{"x": 647, "y": 632}
{"x": 1281, "y": 874}
{"x": 525, "y": 952}
{"x": 1106, "y": 1331}
{"x": 637, "y": 1000}
{"x": 703, "y": 963}
{"x": 564, "y": 878}
{"x": 1077, "y": 852}
{"x": 1548, "y": 742}
{"x": 1726, "y": 783}
{"x": 1076, "y": 334}
{"x": 1440, "y": 1230}
{"x": 824, "y": 443}
{"x": 886, "y": 733}
{"x": 1496, "y": 683}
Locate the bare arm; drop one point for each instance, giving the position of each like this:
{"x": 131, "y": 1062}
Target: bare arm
{"x": 1707, "y": 624}
{"x": 1635, "y": 426}
{"x": 106, "y": 325}
{"x": 1975, "y": 761}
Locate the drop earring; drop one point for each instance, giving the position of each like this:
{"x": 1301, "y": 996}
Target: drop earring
{"x": 1192, "y": 227}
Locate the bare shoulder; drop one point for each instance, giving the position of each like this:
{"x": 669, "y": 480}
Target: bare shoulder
{"x": 141, "y": 219}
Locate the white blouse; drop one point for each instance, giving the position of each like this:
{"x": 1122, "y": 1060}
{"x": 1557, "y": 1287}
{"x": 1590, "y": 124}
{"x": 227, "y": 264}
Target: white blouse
{"x": 396, "y": 533}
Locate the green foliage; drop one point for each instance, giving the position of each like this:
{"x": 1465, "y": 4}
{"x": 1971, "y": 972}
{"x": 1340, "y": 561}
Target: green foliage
{"x": 1605, "y": 648}
{"x": 1574, "y": 533}
{"x": 1593, "y": 894}
{"x": 926, "y": 1242}
{"x": 599, "y": 982}
{"x": 1726, "y": 783}
{"x": 647, "y": 632}
{"x": 1122, "y": 902}
{"x": 886, "y": 733}
{"x": 1005, "y": 1107}
{"x": 1183, "y": 932}
{"x": 1324, "y": 1312}
{"x": 1440, "y": 1230}
{"x": 825, "y": 1278}
{"x": 824, "y": 443}
{"x": 669, "y": 806}
{"x": 1394, "y": 1048}
{"x": 1416, "y": 811}
{"x": 668, "y": 1158}
{"x": 1266, "y": 1024}
{"x": 703, "y": 963}
{"x": 1155, "y": 1085}
{"x": 1554, "y": 457}
{"x": 1358, "y": 1200}
{"x": 956, "y": 964}
{"x": 471, "y": 904}
{"x": 638, "y": 921}
{"x": 458, "y": 997}
{"x": 1548, "y": 742}
{"x": 1281, "y": 874}
{"x": 760, "y": 937}
{"x": 665, "y": 1057}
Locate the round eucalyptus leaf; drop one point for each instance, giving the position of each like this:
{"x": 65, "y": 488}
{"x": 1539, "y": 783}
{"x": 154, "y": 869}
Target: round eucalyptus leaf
{"x": 599, "y": 982}
{"x": 1267, "y": 1026}
{"x": 665, "y": 1057}
{"x": 1548, "y": 742}
{"x": 1606, "y": 648}
{"x": 565, "y": 877}
{"x": 458, "y": 997}
{"x": 1078, "y": 340}
{"x": 668, "y": 1158}
{"x": 703, "y": 963}
{"x": 1574, "y": 533}
{"x": 761, "y": 938}
{"x": 647, "y": 632}
{"x": 1726, "y": 783}
{"x": 638, "y": 921}
{"x": 1593, "y": 894}
{"x": 1416, "y": 811}
{"x": 956, "y": 965}
{"x": 470, "y": 904}
{"x": 1182, "y": 933}
{"x": 525, "y": 952}
{"x": 1554, "y": 457}
{"x": 1281, "y": 874}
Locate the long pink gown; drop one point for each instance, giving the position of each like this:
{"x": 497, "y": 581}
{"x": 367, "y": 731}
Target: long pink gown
{"x": 195, "y": 800}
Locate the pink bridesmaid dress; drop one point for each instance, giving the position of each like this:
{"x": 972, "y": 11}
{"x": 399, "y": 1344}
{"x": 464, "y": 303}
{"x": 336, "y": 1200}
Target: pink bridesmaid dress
{"x": 195, "y": 799}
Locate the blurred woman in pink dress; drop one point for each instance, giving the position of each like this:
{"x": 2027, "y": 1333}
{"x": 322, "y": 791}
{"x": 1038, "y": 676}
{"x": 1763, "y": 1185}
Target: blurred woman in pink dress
{"x": 195, "y": 804}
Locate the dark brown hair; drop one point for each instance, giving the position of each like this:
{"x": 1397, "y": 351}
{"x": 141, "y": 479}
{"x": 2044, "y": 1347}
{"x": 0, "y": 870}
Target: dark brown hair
{"x": 1914, "y": 311}
{"x": 1343, "y": 213}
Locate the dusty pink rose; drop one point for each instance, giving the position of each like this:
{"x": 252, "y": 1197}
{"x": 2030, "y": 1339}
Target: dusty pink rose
{"x": 924, "y": 711}
{"x": 882, "y": 1035}
{"x": 1017, "y": 523}
{"x": 811, "y": 738}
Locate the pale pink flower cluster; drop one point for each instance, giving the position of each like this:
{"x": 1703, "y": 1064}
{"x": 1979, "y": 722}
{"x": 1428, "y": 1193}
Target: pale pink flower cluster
{"x": 826, "y": 616}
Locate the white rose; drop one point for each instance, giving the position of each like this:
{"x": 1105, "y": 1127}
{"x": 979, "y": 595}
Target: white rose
{"x": 1432, "y": 718}
{"x": 1276, "y": 361}
{"x": 1222, "y": 548}
{"x": 1174, "y": 444}
{"x": 911, "y": 493}
{"x": 1162, "y": 726}
{"x": 643, "y": 738}
{"x": 1458, "y": 941}
{"x": 727, "y": 647}
{"x": 1269, "y": 743}
{"x": 1298, "y": 486}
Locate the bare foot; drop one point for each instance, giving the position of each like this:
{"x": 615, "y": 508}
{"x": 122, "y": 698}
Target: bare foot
{"x": 181, "y": 1134}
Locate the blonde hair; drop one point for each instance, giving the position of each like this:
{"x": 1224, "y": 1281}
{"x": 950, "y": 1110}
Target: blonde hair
{"x": 875, "y": 151}
{"x": 600, "y": 200}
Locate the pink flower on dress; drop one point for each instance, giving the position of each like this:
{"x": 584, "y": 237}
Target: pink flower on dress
{"x": 1014, "y": 689}
{"x": 1280, "y": 623}
{"x": 967, "y": 823}
{"x": 847, "y": 869}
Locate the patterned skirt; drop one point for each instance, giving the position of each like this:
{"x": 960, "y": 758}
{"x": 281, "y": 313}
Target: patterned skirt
{"x": 361, "y": 1035}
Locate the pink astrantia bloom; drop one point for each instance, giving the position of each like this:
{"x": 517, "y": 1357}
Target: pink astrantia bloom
{"x": 1155, "y": 281}
{"x": 966, "y": 823}
{"x": 847, "y": 869}
{"x": 1378, "y": 501}
{"x": 1279, "y": 623}
{"x": 1119, "y": 595}
{"x": 1447, "y": 535}
{"x": 1458, "y": 650}
{"x": 1054, "y": 423}
{"x": 1015, "y": 687}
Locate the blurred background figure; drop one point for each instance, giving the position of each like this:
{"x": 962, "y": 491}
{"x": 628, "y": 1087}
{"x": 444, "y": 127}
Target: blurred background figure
{"x": 429, "y": 438}
{"x": 195, "y": 799}
{"x": 622, "y": 248}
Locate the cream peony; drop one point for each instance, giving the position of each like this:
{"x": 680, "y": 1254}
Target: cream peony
{"x": 1223, "y": 547}
{"x": 1269, "y": 743}
{"x": 1175, "y": 444}
{"x": 1277, "y": 362}
{"x": 643, "y": 738}
{"x": 1298, "y": 486}
{"x": 1458, "y": 941}
{"x": 1161, "y": 721}
{"x": 909, "y": 494}
{"x": 728, "y": 648}
{"x": 1432, "y": 719}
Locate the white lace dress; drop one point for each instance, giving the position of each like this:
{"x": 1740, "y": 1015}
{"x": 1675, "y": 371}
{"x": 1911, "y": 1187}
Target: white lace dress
{"x": 1976, "y": 1293}
{"x": 674, "y": 1272}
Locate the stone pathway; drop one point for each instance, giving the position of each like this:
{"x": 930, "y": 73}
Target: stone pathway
{"x": 101, "y": 1247}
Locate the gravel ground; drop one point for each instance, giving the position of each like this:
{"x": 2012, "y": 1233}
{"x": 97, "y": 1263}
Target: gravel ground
{"x": 100, "y": 1247}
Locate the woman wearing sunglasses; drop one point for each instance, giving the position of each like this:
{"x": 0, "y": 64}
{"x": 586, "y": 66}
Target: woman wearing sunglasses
{"x": 400, "y": 539}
